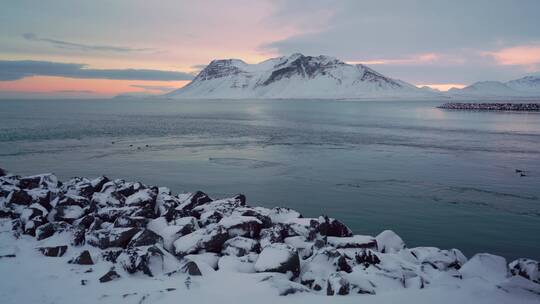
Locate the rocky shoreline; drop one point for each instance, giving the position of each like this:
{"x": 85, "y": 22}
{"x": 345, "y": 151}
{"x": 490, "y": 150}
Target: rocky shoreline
{"x": 129, "y": 229}
{"x": 524, "y": 107}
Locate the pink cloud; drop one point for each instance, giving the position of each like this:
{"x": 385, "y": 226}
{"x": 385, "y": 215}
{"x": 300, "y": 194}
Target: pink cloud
{"x": 525, "y": 55}
{"x": 418, "y": 59}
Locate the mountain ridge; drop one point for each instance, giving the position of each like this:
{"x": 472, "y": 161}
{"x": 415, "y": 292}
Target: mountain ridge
{"x": 295, "y": 76}
{"x": 324, "y": 77}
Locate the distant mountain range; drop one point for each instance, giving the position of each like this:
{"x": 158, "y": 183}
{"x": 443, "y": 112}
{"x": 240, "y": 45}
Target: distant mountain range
{"x": 323, "y": 77}
{"x": 524, "y": 87}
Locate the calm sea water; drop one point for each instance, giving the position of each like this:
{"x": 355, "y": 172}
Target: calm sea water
{"x": 437, "y": 177}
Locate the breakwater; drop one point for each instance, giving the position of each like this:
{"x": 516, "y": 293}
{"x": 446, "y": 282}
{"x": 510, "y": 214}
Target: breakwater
{"x": 527, "y": 107}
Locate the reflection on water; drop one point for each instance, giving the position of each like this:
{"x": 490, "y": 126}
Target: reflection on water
{"x": 442, "y": 178}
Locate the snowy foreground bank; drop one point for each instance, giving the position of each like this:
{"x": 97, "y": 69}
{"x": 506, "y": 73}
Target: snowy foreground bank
{"x": 111, "y": 241}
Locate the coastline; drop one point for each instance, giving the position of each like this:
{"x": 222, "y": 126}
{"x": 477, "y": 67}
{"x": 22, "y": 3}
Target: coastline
{"x": 133, "y": 232}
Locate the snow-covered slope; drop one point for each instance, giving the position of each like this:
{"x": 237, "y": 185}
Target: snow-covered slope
{"x": 295, "y": 76}
{"x": 526, "y": 87}
{"x": 485, "y": 89}
{"x": 529, "y": 84}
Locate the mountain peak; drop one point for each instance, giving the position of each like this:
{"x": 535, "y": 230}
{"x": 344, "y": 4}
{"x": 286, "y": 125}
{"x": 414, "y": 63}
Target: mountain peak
{"x": 294, "y": 76}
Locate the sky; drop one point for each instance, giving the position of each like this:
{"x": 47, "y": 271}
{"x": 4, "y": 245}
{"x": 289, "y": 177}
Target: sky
{"x": 102, "y": 48}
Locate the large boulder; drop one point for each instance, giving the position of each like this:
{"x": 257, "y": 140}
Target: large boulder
{"x": 527, "y": 268}
{"x": 208, "y": 239}
{"x": 113, "y": 199}
{"x": 68, "y": 213}
{"x": 275, "y": 234}
{"x": 19, "y": 197}
{"x": 191, "y": 268}
{"x": 115, "y": 237}
{"x": 240, "y": 246}
{"x": 321, "y": 265}
{"x": 110, "y": 214}
{"x": 366, "y": 258}
{"x": 44, "y": 231}
{"x": 111, "y": 275}
{"x": 71, "y": 200}
{"x": 356, "y": 241}
{"x": 246, "y": 226}
{"x": 437, "y": 258}
{"x": 47, "y": 181}
{"x": 170, "y": 233}
{"x": 337, "y": 285}
{"x": 332, "y": 227}
{"x": 283, "y": 215}
{"x": 147, "y": 260}
{"x": 188, "y": 201}
{"x": 124, "y": 221}
{"x": 225, "y": 207}
{"x": 84, "y": 258}
{"x": 265, "y": 219}
{"x": 281, "y": 258}
{"x": 145, "y": 237}
{"x": 98, "y": 183}
{"x": 489, "y": 267}
{"x": 389, "y": 242}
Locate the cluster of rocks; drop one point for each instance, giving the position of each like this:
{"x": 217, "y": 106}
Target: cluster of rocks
{"x": 142, "y": 229}
{"x": 529, "y": 107}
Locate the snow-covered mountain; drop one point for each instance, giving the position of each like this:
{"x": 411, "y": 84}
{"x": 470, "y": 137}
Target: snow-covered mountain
{"x": 485, "y": 89}
{"x": 526, "y": 84}
{"x": 526, "y": 87}
{"x": 295, "y": 76}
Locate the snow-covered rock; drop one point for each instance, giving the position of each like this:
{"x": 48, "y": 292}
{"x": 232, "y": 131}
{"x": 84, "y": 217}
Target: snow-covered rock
{"x": 278, "y": 257}
{"x": 486, "y": 266}
{"x": 526, "y": 268}
{"x": 75, "y": 234}
{"x": 356, "y": 241}
{"x": 389, "y": 242}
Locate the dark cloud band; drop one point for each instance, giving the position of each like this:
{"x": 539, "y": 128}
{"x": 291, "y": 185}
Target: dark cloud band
{"x": 15, "y": 70}
{"x": 82, "y": 47}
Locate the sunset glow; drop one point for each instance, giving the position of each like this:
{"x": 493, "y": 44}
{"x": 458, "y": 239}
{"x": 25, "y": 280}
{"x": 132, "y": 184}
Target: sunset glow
{"x": 443, "y": 86}
{"x": 101, "y": 87}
